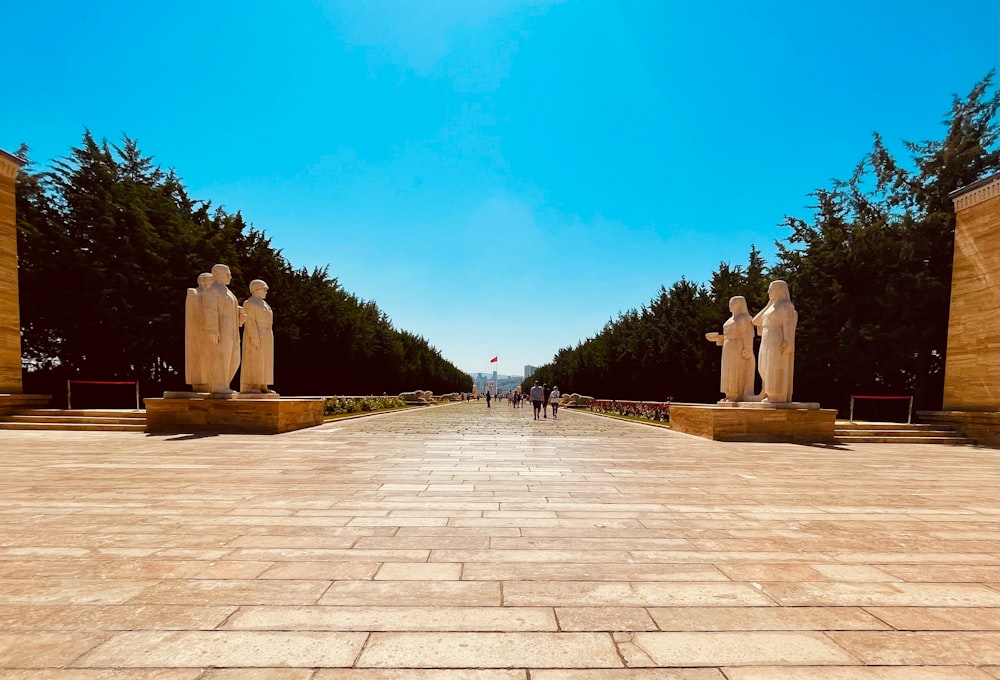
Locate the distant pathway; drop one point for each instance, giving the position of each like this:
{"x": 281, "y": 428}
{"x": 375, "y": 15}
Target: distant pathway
{"x": 466, "y": 543}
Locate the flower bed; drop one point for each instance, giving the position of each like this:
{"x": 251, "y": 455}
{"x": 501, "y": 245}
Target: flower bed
{"x": 657, "y": 411}
{"x": 335, "y": 406}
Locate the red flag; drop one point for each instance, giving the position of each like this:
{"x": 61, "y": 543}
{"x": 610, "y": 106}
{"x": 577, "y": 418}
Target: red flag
{"x": 493, "y": 360}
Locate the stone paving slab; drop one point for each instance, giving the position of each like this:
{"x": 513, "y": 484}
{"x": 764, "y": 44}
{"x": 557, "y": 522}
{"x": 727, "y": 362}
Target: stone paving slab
{"x": 730, "y": 649}
{"x": 490, "y": 650}
{"x": 465, "y": 543}
{"x": 257, "y": 649}
{"x": 394, "y": 618}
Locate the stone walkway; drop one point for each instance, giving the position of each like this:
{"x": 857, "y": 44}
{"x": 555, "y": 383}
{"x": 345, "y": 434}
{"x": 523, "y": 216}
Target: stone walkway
{"x": 465, "y": 543}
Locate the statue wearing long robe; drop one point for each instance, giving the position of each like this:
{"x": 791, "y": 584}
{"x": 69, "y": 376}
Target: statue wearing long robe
{"x": 258, "y": 342}
{"x": 222, "y": 321}
{"x": 196, "y": 346}
{"x": 736, "y": 380}
{"x": 776, "y": 363}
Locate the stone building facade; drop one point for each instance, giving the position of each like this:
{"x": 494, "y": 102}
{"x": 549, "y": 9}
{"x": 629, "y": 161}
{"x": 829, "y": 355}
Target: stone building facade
{"x": 972, "y": 365}
{"x": 10, "y": 317}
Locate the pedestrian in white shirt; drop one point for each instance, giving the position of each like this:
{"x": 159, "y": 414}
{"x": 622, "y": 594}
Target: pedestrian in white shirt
{"x": 537, "y": 395}
{"x": 554, "y": 401}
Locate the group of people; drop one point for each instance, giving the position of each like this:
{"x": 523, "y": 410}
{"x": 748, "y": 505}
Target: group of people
{"x": 515, "y": 398}
{"x": 213, "y": 317}
{"x": 542, "y": 397}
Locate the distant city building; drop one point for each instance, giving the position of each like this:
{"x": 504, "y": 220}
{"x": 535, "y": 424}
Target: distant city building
{"x": 496, "y": 384}
{"x": 529, "y": 371}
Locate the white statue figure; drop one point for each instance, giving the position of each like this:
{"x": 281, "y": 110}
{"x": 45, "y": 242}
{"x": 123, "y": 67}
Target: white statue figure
{"x": 223, "y": 317}
{"x": 196, "y": 349}
{"x": 736, "y": 341}
{"x": 258, "y": 342}
{"x": 776, "y": 324}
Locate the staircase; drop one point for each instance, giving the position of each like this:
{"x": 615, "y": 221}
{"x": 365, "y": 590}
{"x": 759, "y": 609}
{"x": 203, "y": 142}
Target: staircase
{"x": 858, "y": 432}
{"x": 86, "y": 420}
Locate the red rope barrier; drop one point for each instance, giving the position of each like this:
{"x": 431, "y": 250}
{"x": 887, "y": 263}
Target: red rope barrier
{"x": 861, "y": 396}
{"x": 103, "y": 382}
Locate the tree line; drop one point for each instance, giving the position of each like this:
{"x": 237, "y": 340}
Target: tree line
{"x": 107, "y": 244}
{"x": 869, "y": 272}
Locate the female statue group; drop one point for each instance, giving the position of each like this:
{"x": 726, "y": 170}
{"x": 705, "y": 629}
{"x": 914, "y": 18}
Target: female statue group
{"x": 776, "y": 326}
{"x": 213, "y": 318}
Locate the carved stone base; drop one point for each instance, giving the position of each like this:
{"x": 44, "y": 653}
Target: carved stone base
{"x": 238, "y": 414}
{"x": 794, "y": 422}
{"x": 220, "y": 395}
{"x": 763, "y": 405}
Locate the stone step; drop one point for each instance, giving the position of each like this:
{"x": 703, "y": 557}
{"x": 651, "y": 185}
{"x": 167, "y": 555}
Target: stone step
{"x": 77, "y": 420}
{"x": 870, "y": 424}
{"x": 83, "y": 413}
{"x": 868, "y": 432}
{"x": 73, "y": 427}
{"x": 953, "y": 440}
{"x": 100, "y": 420}
{"x": 879, "y": 432}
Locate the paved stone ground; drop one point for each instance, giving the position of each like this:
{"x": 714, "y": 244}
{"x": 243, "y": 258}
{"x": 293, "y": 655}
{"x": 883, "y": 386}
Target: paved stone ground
{"x": 463, "y": 543}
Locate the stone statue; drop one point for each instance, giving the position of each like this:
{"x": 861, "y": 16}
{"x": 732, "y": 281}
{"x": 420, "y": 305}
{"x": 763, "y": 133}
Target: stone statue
{"x": 736, "y": 341}
{"x": 196, "y": 349}
{"x": 222, "y": 317}
{"x": 258, "y": 342}
{"x": 776, "y": 325}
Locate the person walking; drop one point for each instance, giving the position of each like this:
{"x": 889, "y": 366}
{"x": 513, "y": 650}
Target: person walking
{"x": 537, "y": 395}
{"x": 554, "y": 396}
{"x": 545, "y": 400}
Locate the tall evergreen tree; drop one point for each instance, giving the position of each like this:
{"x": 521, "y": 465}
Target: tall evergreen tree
{"x": 108, "y": 242}
{"x": 871, "y": 274}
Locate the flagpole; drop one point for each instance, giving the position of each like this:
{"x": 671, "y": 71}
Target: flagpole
{"x": 496, "y": 375}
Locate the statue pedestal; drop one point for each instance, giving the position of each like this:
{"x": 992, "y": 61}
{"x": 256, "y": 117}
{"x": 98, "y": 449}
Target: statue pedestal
{"x": 185, "y": 412}
{"x": 793, "y": 422}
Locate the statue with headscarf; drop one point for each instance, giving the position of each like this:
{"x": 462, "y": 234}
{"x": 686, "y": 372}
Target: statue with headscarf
{"x": 776, "y": 362}
{"x": 197, "y": 353}
{"x": 736, "y": 340}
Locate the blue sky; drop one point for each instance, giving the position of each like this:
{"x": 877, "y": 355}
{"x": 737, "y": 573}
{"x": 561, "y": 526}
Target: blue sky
{"x": 502, "y": 178}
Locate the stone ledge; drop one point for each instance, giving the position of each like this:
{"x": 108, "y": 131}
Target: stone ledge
{"x": 981, "y": 426}
{"x": 757, "y": 424}
{"x": 9, "y": 403}
{"x": 233, "y": 416}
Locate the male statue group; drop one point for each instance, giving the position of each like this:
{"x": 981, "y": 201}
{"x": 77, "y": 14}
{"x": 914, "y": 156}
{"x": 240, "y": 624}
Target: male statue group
{"x": 776, "y": 326}
{"x": 212, "y": 336}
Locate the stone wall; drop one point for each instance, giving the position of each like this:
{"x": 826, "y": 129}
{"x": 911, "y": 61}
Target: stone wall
{"x": 972, "y": 365}
{"x": 10, "y": 318}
